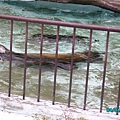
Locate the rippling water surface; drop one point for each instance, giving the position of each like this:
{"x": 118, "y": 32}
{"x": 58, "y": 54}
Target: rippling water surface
{"x": 77, "y": 14}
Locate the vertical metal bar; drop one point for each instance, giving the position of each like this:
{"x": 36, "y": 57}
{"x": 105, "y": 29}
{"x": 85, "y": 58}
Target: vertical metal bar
{"x": 87, "y": 74}
{"x": 40, "y": 63}
{"x": 104, "y": 73}
{"x": 10, "y": 63}
{"x": 71, "y": 71}
{"x": 55, "y": 69}
{"x": 118, "y": 102}
{"x": 25, "y": 58}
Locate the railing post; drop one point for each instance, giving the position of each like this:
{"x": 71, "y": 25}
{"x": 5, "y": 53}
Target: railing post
{"x": 87, "y": 74}
{"x": 40, "y": 62}
{"x": 104, "y": 73}
{"x": 10, "y": 63}
{"x": 71, "y": 71}
{"x": 25, "y": 59}
{"x": 55, "y": 69}
{"x": 118, "y": 101}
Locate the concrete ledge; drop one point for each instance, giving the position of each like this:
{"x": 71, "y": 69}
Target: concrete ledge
{"x": 13, "y": 116}
{"x": 15, "y": 108}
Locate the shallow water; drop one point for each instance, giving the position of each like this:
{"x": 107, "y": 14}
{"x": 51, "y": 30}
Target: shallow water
{"x": 76, "y": 14}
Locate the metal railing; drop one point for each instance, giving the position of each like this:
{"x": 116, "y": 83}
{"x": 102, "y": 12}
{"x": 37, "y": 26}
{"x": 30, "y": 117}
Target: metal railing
{"x": 58, "y": 24}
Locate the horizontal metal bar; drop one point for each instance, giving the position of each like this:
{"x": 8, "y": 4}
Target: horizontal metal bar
{"x": 60, "y": 23}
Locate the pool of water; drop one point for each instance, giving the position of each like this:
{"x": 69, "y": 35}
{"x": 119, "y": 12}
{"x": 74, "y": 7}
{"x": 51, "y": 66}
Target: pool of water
{"x": 61, "y": 12}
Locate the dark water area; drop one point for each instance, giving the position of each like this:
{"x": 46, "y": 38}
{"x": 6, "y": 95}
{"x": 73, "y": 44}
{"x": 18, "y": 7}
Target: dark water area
{"x": 71, "y": 13}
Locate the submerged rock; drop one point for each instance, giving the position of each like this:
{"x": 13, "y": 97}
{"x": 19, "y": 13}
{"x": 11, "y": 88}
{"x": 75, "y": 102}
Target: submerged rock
{"x": 35, "y": 39}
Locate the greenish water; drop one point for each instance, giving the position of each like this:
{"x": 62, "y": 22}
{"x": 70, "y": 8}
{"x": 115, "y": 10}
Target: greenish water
{"x": 72, "y": 13}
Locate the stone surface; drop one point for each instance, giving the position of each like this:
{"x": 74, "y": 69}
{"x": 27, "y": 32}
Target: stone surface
{"x": 15, "y": 108}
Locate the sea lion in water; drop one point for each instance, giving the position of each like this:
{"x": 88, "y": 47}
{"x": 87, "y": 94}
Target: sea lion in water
{"x": 64, "y": 60}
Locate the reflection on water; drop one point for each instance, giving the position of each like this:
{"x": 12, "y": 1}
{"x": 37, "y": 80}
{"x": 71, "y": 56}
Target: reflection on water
{"x": 79, "y": 74}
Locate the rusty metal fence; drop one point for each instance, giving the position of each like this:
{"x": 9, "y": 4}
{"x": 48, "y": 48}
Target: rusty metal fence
{"x": 59, "y": 24}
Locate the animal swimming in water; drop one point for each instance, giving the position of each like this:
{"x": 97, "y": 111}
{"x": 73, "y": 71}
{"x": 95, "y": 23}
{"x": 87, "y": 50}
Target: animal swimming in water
{"x": 63, "y": 60}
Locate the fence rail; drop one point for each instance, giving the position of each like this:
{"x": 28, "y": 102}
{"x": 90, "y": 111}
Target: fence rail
{"x": 58, "y": 24}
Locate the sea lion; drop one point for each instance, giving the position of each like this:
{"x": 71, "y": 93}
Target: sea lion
{"x": 64, "y": 60}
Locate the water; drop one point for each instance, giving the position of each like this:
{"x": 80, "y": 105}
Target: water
{"x": 79, "y": 14}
